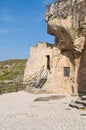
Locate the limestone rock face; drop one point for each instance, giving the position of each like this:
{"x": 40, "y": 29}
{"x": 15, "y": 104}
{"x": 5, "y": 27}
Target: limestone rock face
{"x": 66, "y": 16}
{"x": 66, "y": 59}
{"x": 37, "y": 59}
{"x": 66, "y": 20}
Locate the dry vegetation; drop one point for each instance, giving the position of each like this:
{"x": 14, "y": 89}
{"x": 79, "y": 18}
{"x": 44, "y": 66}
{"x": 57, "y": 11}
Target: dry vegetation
{"x": 11, "y": 75}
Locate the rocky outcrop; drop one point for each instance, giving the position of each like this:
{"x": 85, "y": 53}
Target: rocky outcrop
{"x": 66, "y": 20}
{"x": 66, "y": 59}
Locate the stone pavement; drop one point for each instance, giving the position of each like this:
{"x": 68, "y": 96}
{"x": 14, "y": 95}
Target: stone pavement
{"x": 18, "y": 111}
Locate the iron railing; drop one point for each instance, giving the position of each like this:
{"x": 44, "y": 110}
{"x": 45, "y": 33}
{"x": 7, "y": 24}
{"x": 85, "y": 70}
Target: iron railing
{"x": 34, "y": 80}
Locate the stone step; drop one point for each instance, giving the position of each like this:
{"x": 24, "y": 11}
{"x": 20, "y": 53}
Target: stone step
{"x": 83, "y": 97}
{"x": 76, "y": 105}
{"x": 79, "y": 101}
{"x": 41, "y": 83}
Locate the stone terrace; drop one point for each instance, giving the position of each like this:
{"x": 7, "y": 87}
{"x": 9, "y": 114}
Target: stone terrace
{"x": 19, "y": 111}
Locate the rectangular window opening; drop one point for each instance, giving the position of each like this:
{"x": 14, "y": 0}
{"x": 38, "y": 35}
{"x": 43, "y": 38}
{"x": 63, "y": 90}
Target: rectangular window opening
{"x": 67, "y": 71}
{"x": 48, "y": 62}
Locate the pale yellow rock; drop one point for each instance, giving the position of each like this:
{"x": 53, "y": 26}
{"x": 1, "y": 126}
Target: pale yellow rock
{"x": 66, "y": 59}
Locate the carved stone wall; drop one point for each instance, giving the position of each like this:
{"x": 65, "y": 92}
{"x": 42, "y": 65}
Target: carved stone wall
{"x": 37, "y": 59}
{"x": 66, "y": 20}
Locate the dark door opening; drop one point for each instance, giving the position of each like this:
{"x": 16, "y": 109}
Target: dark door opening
{"x": 48, "y": 62}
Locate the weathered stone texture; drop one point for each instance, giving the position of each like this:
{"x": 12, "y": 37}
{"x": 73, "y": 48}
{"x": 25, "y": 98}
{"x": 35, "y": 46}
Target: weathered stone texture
{"x": 66, "y": 20}
{"x": 37, "y": 59}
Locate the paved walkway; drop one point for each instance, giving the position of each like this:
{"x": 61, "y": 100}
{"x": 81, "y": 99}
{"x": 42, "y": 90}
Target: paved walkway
{"x": 18, "y": 111}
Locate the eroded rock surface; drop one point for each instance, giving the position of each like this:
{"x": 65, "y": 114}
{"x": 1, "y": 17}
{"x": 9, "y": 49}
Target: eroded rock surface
{"x": 66, "y": 59}
{"x": 66, "y": 20}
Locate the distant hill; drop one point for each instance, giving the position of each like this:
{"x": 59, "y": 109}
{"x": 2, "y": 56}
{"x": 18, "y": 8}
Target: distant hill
{"x": 11, "y": 72}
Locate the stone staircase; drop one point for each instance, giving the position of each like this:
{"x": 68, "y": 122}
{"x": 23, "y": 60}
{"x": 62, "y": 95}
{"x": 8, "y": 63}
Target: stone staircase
{"x": 38, "y": 79}
{"x": 41, "y": 82}
{"x": 42, "y": 79}
{"x": 79, "y": 103}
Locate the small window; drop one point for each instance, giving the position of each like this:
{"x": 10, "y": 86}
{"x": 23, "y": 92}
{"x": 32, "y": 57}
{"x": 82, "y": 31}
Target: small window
{"x": 66, "y": 71}
{"x": 48, "y": 62}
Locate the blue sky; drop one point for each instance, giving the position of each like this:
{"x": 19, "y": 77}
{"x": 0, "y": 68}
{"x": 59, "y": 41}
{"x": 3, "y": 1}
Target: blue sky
{"x": 22, "y": 25}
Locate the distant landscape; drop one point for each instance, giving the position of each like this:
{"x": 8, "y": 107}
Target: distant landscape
{"x": 11, "y": 75}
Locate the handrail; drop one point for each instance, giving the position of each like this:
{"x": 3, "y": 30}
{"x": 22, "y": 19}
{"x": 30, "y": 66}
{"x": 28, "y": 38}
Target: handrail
{"x": 35, "y": 79}
{"x": 30, "y": 77}
{"x": 35, "y": 74}
{"x": 43, "y": 76}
